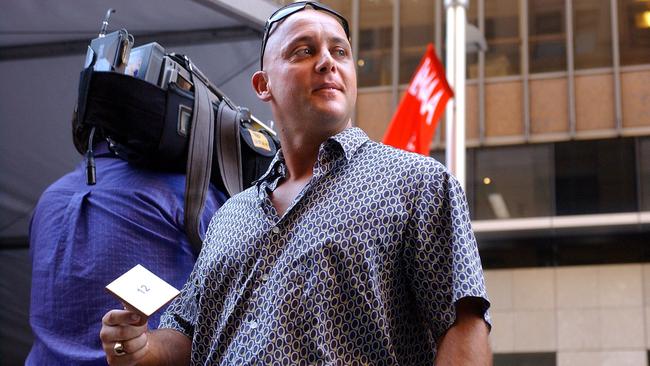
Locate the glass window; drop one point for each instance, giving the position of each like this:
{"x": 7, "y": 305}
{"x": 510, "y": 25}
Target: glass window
{"x": 583, "y": 246}
{"x": 634, "y": 31}
{"x": 510, "y": 251}
{"x": 504, "y": 108}
{"x": 587, "y": 246}
{"x": 416, "y": 31}
{"x": 375, "y": 42}
{"x": 547, "y": 35}
{"x": 525, "y": 359}
{"x": 471, "y": 58}
{"x": 635, "y": 97}
{"x": 549, "y": 109}
{"x": 644, "y": 172}
{"x": 513, "y": 181}
{"x": 343, "y": 7}
{"x": 440, "y": 156}
{"x": 472, "y": 65}
{"x": 592, "y": 34}
{"x": 503, "y": 38}
{"x": 596, "y": 176}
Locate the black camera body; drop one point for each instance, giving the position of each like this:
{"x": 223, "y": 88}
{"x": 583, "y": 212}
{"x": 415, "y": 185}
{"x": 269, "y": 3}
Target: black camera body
{"x": 110, "y": 52}
{"x": 142, "y": 99}
{"x": 157, "y": 110}
{"x": 150, "y": 63}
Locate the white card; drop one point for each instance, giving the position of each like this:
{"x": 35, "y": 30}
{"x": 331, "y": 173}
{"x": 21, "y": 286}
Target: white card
{"x": 142, "y": 291}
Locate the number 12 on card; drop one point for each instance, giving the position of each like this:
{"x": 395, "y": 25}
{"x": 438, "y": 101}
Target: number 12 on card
{"x": 150, "y": 294}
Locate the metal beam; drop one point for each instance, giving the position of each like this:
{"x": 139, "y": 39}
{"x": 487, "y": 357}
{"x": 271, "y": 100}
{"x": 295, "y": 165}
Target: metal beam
{"x": 456, "y": 64}
{"x": 633, "y": 219}
{"x": 437, "y": 24}
{"x": 355, "y": 46}
{"x": 166, "y": 39}
{"x": 395, "y": 54}
{"x": 570, "y": 63}
{"x": 525, "y": 67}
{"x": 252, "y": 12}
{"x": 618, "y": 99}
{"x": 481, "y": 76}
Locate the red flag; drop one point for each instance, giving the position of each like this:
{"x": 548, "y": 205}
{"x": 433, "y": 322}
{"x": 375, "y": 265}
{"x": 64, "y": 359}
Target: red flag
{"x": 416, "y": 118}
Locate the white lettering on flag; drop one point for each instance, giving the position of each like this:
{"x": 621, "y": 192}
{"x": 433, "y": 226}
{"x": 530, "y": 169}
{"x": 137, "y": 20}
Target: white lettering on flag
{"x": 422, "y": 87}
{"x": 410, "y": 145}
{"x": 430, "y": 106}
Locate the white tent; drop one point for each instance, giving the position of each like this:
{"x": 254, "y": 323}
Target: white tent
{"x": 42, "y": 48}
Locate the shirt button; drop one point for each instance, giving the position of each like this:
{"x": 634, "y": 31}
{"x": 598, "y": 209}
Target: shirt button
{"x": 253, "y": 324}
{"x": 275, "y": 230}
{"x": 265, "y": 277}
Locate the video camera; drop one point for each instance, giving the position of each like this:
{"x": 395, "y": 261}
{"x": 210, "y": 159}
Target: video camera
{"x": 113, "y": 52}
{"x": 157, "y": 110}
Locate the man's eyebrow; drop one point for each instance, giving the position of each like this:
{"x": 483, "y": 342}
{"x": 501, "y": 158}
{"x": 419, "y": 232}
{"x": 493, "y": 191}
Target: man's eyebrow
{"x": 309, "y": 38}
{"x": 338, "y": 40}
{"x": 299, "y": 39}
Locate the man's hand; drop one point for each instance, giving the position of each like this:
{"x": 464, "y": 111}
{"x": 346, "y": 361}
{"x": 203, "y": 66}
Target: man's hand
{"x": 466, "y": 342}
{"x": 140, "y": 346}
{"x": 124, "y": 337}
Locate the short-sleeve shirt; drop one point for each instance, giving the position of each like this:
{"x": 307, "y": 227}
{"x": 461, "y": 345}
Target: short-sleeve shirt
{"x": 363, "y": 268}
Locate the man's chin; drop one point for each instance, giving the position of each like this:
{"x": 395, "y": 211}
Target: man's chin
{"x": 331, "y": 114}
{"x": 330, "y": 106}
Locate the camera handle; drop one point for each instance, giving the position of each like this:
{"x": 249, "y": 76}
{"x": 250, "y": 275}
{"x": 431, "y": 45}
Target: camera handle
{"x": 102, "y": 31}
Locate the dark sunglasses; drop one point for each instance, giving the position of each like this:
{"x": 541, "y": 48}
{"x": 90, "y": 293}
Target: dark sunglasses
{"x": 293, "y": 8}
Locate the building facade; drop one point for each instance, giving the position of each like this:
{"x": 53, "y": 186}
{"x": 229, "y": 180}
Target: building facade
{"x": 558, "y": 162}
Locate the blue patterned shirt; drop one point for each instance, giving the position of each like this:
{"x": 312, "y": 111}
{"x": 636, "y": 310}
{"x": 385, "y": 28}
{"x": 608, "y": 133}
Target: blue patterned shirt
{"x": 363, "y": 268}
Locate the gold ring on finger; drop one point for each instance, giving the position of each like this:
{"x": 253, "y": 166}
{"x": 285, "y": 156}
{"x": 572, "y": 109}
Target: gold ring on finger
{"x": 118, "y": 348}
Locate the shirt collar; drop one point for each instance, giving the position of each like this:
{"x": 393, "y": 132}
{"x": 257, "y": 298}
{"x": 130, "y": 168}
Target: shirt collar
{"x": 275, "y": 168}
{"x": 348, "y": 140}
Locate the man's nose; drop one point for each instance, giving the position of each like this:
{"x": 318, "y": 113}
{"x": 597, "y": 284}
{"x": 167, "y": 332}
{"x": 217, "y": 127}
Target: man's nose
{"x": 326, "y": 62}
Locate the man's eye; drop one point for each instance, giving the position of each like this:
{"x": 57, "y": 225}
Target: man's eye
{"x": 340, "y": 52}
{"x": 303, "y": 51}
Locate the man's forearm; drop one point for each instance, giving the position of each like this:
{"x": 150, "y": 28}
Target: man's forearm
{"x": 466, "y": 342}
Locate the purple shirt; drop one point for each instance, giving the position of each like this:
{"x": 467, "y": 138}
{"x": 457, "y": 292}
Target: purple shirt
{"x": 83, "y": 237}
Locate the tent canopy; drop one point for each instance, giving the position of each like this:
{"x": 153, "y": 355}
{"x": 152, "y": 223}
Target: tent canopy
{"x": 42, "y": 49}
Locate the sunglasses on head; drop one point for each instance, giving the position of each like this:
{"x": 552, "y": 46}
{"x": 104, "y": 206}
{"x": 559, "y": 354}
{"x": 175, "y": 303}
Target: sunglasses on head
{"x": 293, "y": 8}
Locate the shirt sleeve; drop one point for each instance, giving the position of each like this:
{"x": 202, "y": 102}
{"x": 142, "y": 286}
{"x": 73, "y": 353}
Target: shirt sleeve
{"x": 443, "y": 264}
{"x": 182, "y": 313}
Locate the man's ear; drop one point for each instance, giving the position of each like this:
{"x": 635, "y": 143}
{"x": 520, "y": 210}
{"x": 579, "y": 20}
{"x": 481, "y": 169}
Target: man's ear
{"x": 261, "y": 86}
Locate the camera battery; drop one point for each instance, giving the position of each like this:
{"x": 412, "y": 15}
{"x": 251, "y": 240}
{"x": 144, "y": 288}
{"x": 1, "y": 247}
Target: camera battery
{"x": 111, "y": 51}
{"x": 173, "y": 72}
{"x": 145, "y": 62}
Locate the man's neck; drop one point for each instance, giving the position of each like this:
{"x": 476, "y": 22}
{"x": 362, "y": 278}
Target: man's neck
{"x": 300, "y": 154}
{"x": 300, "y": 150}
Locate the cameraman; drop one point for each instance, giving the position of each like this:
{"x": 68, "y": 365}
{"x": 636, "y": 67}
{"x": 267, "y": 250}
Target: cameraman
{"x": 82, "y": 235}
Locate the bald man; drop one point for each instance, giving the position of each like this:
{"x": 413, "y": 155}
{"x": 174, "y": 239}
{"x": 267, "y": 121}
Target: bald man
{"x": 346, "y": 252}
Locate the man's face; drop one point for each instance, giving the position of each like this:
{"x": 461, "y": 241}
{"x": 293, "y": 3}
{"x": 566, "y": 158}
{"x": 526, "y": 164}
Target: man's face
{"x": 310, "y": 74}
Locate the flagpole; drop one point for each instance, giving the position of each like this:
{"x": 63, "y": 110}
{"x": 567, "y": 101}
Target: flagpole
{"x": 455, "y": 65}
